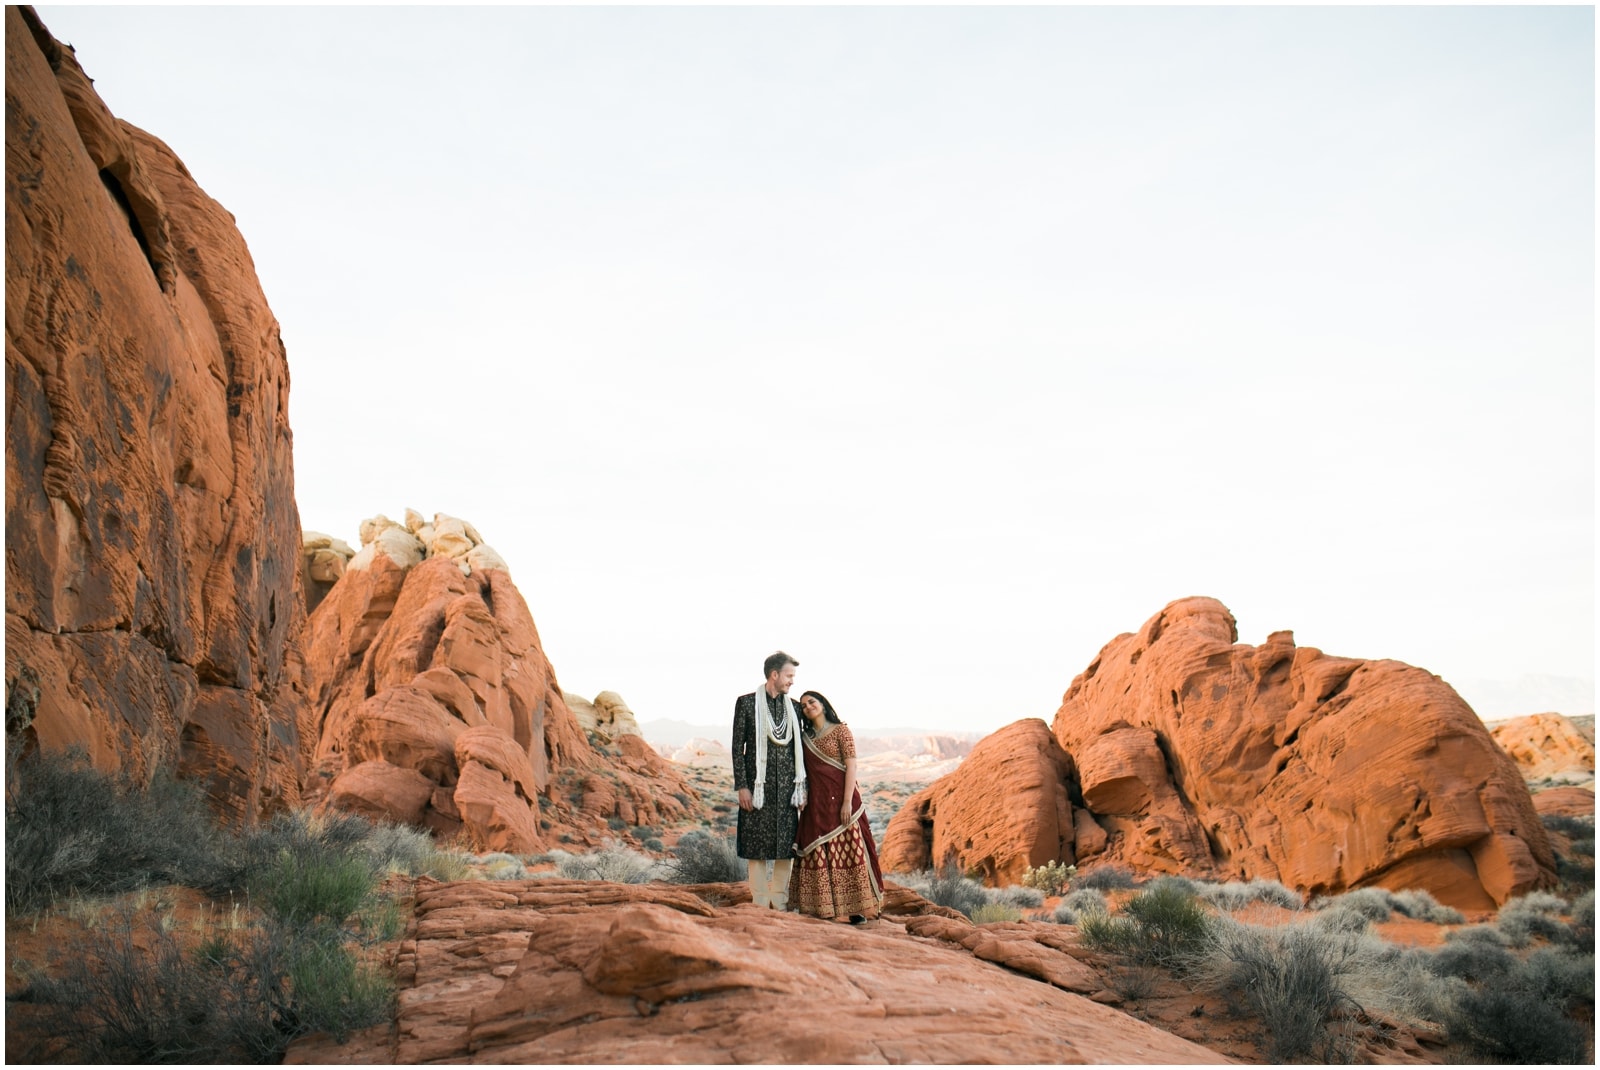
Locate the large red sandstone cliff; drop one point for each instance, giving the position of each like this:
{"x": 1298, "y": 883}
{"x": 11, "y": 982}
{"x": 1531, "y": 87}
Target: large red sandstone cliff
{"x": 152, "y": 539}
{"x": 1188, "y": 751}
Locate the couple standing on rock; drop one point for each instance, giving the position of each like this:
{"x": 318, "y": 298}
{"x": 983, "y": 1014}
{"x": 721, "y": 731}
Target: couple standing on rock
{"x": 796, "y": 777}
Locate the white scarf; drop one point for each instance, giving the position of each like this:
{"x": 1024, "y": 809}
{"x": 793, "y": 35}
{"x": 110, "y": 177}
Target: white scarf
{"x": 785, "y": 735}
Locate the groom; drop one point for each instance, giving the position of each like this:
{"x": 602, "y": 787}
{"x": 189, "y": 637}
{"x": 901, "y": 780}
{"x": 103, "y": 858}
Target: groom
{"x": 771, "y": 778}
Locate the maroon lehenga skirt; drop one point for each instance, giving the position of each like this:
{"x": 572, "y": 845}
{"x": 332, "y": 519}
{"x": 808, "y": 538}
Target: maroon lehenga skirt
{"x": 836, "y": 872}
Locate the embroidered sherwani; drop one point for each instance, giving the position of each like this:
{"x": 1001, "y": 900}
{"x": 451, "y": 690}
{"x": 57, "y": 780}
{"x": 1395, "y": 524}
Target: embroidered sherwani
{"x": 837, "y": 875}
{"x": 770, "y": 831}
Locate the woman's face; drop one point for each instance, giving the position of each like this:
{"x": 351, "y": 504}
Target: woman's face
{"x": 813, "y": 709}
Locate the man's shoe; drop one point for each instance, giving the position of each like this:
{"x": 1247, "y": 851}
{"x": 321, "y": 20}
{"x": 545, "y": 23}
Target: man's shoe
{"x": 857, "y": 919}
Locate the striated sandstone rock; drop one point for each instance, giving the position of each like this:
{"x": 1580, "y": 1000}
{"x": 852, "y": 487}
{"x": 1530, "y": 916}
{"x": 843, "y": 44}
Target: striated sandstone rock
{"x": 1004, "y": 809}
{"x": 607, "y": 715}
{"x": 323, "y": 560}
{"x": 1547, "y": 746}
{"x": 557, "y": 971}
{"x": 152, "y": 540}
{"x": 1203, "y": 755}
{"x": 439, "y": 672}
{"x": 1567, "y": 801}
{"x": 437, "y": 669}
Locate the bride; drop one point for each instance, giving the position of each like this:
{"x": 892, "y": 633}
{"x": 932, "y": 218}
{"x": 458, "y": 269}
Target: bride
{"x": 837, "y": 874}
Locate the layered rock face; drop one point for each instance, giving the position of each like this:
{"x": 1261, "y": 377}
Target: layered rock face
{"x": 1547, "y": 746}
{"x": 1184, "y": 750}
{"x": 432, "y": 702}
{"x": 606, "y": 716}
{"x": 555, "y": 971}
{"x": 1005, "y": 808}
{"x": 152, "y": 541}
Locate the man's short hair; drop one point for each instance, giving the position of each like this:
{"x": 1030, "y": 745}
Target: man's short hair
{"x": 775, "y": 663}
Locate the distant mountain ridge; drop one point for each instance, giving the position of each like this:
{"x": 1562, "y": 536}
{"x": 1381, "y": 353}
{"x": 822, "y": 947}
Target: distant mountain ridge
{"x": 670, "y": 732}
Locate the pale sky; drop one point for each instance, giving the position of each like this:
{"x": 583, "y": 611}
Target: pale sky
{"x": 936, "y": 346}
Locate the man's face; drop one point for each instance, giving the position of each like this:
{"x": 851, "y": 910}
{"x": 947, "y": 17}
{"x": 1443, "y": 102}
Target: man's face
{"x": 781, "y": 681}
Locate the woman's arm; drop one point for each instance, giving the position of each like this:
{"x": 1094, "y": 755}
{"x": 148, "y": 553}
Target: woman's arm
{"x": 845, "y": 807}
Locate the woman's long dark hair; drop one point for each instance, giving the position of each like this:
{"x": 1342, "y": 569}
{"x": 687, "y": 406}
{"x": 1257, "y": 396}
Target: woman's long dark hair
{"x": 827, "y": 710}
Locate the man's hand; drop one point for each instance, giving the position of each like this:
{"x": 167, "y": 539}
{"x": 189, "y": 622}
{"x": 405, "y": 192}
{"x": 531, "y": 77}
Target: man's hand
{"x": 746, "y": 802}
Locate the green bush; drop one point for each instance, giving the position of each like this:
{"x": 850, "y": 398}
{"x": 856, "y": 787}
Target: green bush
{"x": 1105, "y": 878}
{"x": 700, "y": 858}
{"x": 71, "y": 829}
{"x": 1162, "y": 926}
{"x": 1511, "y": 1024}
{"x": 996, "y": 912}
{"x": 1291, "y": 977}
{"x": 1051, "y": 878}
{"x": 313, "y": 887}
{"x": 949, "y": 888}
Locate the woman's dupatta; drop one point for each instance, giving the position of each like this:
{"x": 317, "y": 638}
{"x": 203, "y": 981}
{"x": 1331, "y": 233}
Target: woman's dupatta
{"x": 819, "y": 821}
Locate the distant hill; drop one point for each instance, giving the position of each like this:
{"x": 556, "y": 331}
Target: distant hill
{"x": 668, "y": 732}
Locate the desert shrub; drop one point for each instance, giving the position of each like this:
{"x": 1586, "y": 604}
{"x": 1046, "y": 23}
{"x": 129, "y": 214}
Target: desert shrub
{"x": 1536, "y": 914}
{"x": 949, "y": 888}
{"x": 1161, "y": 926}
{"x": 1105, "y": 878}
{"x": 1375, "y": 904}
{"x": 1583, "y": 920}
{"x": 996, "y": 912}
{"x": 398, "y": 848}
{"x": 1236, "y": 895}
{"x": 700, "y": 858}
{"x": 1512, "y": 1024}
{"x": 1173, "y": 883}
{"x": 127, "y": 992}
{"x": 1021, "y": 898}
{"x": 1078, "y": 902}
{"x": 1574, "y": 828}
{"x": 1559, "y": 976}
{"x": 1291, "y": 977}
{"x": 616, "y": 864}
{"x": 313, "y": 888}
{"x": 1482, "y": 934}
{"x": 1472, "y": 960}
{"x": 1421, "y": 905}
{"x": 72, "y": 829}
{"x": 1050, "y": 878}
{"x": 1341, "y": 919}
{"x": 504, "y": 867}
{"x": 444, "y": 865}
{"x": 615, "y": 823}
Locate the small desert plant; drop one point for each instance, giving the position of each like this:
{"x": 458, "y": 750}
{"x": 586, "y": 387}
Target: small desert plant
{"x": 1375, "y": 904}
{"x": 503, "y": 867}
{"x": 996, "y": 912}
{"x": 1236, "y": 895}
{"x": 398, "y": 848}
{"x": 1421, "y": 905}
{"x": 949, "y": 888}
{"x": 1021, "y": 898}
{"x": 1574, "y": 828}
{"x": 700, "y": 858}
{"x": 1291, "y": 977}
{"x": 443, "y": 865}
{"x": 1472, "y": 960}
{"x": 615, "y": 823}
{"x": 71, "y": 828}
{"x": 1051, "y": 878}
{"x": 1162, "y": 926}
{"x": 1510, "y": 1023}
{"x": 313, "y": 888}
{"x": 616, "y": 864}
{"x": 1536, "y": 914}
{"x": 1105, "y": 878}
{"x": 1078, "y": 902}
{"x": 1341, "y": 919}
{"x": 1173, "y": 882}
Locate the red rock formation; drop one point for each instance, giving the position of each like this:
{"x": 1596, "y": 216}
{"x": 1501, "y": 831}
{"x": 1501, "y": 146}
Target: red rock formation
{"x": 556, "y": 971}
{"x": 1546, "y": 745}
{"x": 152, "y": 540}
{"x": 1204, "y": 755}
{"x": 1005, "y": 808}
{"x": 432, "y": 703}
{"x": 1567, "y": 802}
